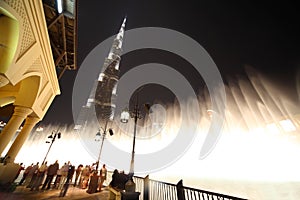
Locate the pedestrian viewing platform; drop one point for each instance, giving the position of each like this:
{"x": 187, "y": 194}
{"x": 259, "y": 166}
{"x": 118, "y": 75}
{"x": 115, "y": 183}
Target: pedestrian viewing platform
{"x": 145, "y": 189}
{"x": 23, "y": 193}
{"x": 115, "y": 185}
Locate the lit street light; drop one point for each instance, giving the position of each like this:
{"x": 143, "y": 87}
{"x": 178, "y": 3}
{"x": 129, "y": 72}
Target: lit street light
{"x": 136, "y": 114}
{"x": 101, "y": 136}
{"x": 53, "y": 137}
{"x": 124, "y": 119}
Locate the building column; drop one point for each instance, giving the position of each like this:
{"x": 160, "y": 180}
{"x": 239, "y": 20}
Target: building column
{"x": 30, "y": 122}
{"x": 20, "y": 113}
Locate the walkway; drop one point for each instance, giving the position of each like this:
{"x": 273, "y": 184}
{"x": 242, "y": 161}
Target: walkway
{"x": 74, "y": 193}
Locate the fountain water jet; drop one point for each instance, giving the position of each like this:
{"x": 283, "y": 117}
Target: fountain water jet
{"x": 248, "y": 150}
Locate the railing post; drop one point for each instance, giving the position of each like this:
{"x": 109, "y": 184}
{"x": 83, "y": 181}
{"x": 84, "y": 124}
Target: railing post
{"x": 180, "y": 190}
{"x": 146, "y": 188}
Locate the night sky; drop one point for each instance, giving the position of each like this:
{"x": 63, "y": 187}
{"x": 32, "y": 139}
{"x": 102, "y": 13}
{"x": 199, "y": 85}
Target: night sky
{"x": 234, "y": 33}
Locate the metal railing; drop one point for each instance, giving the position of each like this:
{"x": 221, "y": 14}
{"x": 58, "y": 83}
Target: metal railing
{"x": 196, "y": 194}
{"x": 161, "y": 190}
{"x": 139, "y": 185}
{"x": 158, "y": 190}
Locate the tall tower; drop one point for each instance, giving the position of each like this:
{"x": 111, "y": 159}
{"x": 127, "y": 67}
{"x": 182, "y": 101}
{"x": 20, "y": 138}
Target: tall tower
{"x": 103, "y": 94}
{"x": 107, "y": 82}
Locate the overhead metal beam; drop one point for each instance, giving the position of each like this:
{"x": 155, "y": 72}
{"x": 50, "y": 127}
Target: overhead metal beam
{"x": 60, "y": 58}
{"x": 64, "y": 40}
{"x": 50, "y": 7}
{"x": 55, "y": 48}
{"x": 62, "y": 36}
{"x": 62, "y": 72}
{"x": 55, "y": 20}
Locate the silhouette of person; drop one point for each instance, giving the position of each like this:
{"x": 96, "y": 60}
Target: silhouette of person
{"x": 103, "y": 175}
{"x": 93, "y": 184}
{"x": 51, "y": 172}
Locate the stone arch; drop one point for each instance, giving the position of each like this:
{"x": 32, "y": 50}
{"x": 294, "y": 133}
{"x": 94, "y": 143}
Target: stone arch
{"x": 23, "y": 93}
{"x": 28, "y": 80}
{"x": 29, "y": 90}
{"x": 9, "y": 28}
{"x": 8, "y": 94}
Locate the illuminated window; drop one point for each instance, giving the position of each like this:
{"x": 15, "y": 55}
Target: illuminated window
{"x": 101, "y": 76}
{"x": 114, "y": 91}
{"x": 89, "y": 102}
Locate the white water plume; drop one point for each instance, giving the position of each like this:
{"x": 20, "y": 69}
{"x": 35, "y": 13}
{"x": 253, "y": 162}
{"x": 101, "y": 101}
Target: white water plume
{"x": 260, "y": 139}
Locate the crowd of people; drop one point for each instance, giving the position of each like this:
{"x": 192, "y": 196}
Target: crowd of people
{"x": 43, "y": 177}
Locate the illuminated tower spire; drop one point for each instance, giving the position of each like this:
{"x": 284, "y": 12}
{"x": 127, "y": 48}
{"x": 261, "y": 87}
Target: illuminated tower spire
{"x": 115, "y": 52}
{"x": 107, "y": 81}
{"x": 103, "y": 94}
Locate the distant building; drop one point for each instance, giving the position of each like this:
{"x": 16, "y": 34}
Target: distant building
{"x": 102, "y": 97}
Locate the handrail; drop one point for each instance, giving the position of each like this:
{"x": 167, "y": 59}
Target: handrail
{"x": 189, "y": 191}
{"x": 158, "y": 190}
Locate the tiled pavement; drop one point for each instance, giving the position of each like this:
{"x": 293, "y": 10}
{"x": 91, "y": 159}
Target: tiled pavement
{"x": 23, "y": 193}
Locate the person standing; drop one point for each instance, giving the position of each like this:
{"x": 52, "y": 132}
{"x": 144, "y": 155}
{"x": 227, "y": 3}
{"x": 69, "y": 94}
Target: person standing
{"x": 30, "y": 178}
{"x": 39, "y": 177}
{"x": 78, "y": 173}
{"x": 51, "y": 172}
{"x": 27, "y": 170}
{"x": 57, "y": 179}
{"x": 115, "y": 179}
{"x": 64, "y": 174}
{"x": 103, "y": 174}
{"x": 93, "y": 184}
{"x": 66, "y": 185}
{"x": 19, "y": 170}
{"x": 85, "y": 177}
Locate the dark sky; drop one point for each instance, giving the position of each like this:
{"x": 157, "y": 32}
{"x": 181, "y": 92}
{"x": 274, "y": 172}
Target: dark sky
{"x": 234, "y": 33}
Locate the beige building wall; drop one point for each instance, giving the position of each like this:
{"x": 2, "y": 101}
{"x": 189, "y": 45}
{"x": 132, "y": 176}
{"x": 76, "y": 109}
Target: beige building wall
{"x": 28, "y": 78}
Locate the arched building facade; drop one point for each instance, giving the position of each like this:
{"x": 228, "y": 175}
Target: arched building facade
{"x": 28, "y": 78}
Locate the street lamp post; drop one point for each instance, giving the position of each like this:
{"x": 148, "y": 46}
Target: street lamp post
{"x": 136, "y": 114}
{"x": 101, "y": 137}
{"x": 53, "y": 137}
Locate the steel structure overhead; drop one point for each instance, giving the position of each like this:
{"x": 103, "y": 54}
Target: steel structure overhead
{"x": 62, "y": 33}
